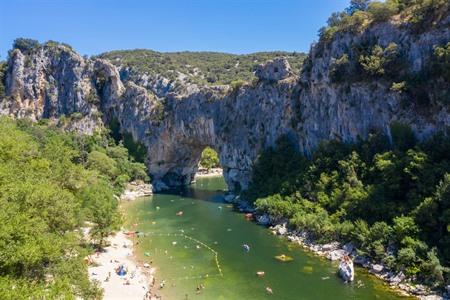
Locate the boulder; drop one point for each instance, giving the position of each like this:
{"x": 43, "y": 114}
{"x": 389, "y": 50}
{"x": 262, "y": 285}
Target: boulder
{"x": 376, "y": 268}
{"x": 362, "y": 260}
{"x": 397, "y": 278}
{"x": 263, "y": 219}
{"x": 229, "y": 198}
{"x": 348, "y": 248}
{"x": 432, "y": 297}
{"x": 281, "y": 229}
{"x": 330, "y": 246}
{"x": 336, "y": 254}
{"x": 274, "y": 70}
{"x": 346, "y": 270}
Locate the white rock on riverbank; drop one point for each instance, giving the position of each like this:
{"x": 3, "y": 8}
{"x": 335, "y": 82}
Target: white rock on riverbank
{"x": 136, "y": 189}
{"x": 334, "y": 251}
{"x": 346, "y": 270}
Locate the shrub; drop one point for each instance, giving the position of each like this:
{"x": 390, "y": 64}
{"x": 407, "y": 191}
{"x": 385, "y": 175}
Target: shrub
{"x": 340, "y": 69}
{"x": 441, "y": 63}
{"x": 102, "y": 163}
{"x": 402, "y": 136}
{"x": 236, "y": 85}
{"x": 25, "y": 45}
{"x": 92, "y": 97}
{"x": 378, "y": 60}
{"x": 382, "y": 11}
{"x": 357, "y": 5}
{"x": 398, "y": 87}
{"x": 209, "y": 158}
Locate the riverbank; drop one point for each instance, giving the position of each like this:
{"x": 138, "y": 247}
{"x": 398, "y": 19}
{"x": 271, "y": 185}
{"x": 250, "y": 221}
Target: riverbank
{"x": 138, "y": 279}
{"x": 335, "y": 251}
{"x": 136, "y": 189}
{"x": 213, "y": 172}
{"x": 134, "y": 284}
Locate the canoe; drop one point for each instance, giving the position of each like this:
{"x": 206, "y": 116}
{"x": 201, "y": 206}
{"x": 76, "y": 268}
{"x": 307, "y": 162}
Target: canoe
{"x": 284, "y": 258}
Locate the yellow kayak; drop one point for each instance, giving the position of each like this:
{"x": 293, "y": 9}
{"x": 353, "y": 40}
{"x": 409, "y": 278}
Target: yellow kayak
{"x": 284, "y": 258}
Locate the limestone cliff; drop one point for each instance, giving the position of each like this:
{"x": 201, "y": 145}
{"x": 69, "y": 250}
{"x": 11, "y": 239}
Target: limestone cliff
{"x": 176, "y": 119}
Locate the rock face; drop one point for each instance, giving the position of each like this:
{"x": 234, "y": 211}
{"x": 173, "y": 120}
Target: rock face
{"x": 274, "y": 70}
{"x": 176, "y": 122}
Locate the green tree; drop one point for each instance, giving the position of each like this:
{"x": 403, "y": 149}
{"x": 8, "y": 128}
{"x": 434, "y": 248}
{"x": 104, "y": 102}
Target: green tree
{"x": 209, "y": 158}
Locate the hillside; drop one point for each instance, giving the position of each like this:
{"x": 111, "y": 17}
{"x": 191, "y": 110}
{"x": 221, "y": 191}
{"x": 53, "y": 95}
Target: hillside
{"x": 206, "y": 68}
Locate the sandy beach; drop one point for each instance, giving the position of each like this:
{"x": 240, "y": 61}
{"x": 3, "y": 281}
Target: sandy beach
{"x": 134, "y": 285}
{"x": 211, "y": 173}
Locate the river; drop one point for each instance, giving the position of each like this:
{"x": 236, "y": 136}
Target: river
{"x": 203, "y": 246}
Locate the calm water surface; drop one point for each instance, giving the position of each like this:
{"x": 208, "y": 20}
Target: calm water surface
{"x": 184, "y": 250}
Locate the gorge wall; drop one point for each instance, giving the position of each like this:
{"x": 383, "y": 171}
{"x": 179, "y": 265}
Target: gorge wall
{"x": 176, "y": 120}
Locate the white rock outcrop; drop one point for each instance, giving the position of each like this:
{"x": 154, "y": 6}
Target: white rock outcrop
{"x": 346, "y": 270}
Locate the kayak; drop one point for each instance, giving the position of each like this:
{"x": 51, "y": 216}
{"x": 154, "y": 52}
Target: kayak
{"x": 284, "y": 258}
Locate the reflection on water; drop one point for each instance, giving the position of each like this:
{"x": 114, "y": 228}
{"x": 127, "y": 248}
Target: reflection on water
{"x": 203, "y": 248}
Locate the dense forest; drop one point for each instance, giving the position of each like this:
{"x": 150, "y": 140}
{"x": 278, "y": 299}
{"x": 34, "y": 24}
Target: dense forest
{"x": 52, "y": 184}
{"x": 390, "y": 198}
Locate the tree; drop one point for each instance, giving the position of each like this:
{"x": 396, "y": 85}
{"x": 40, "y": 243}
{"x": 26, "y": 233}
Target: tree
{"x": 101, "y": 209}
{"x": 382, "y": 11}
{"x": 103, "y": 163}
{"x": 209, "y": 158}
{"x": 356, "y": 5}
{"x": 25, "y": 45}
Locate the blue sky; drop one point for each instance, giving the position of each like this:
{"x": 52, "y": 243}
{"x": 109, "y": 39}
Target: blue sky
{"x": 235, "y": 26}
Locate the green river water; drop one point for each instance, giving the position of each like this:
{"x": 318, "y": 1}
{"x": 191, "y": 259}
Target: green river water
{"x": 183, "y": 248}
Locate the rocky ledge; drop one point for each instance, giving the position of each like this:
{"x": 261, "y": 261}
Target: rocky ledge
{"x": 136, "y": 189}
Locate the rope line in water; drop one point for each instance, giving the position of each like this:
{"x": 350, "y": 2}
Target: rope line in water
{"x": 216, "y": 255}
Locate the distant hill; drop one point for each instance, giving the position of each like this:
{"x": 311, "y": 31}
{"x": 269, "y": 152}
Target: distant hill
{"x": 210, "y": 68}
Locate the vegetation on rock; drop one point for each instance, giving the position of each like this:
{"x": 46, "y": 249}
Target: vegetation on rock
{"x": 209, "y": 68}
{"x": 366, "y": 60}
